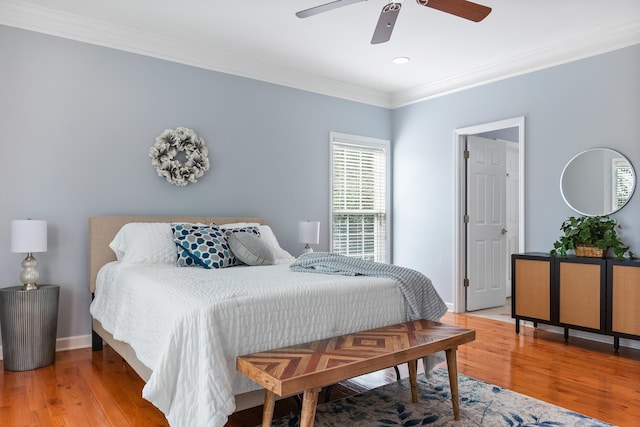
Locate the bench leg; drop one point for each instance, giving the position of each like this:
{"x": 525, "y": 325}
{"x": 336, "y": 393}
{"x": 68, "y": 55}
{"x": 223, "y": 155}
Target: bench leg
{"x": 267, "y": 411}
{"x": 309, "y": 402}
{"x": 413, "y": 374}
{"x": 452, "y": 366}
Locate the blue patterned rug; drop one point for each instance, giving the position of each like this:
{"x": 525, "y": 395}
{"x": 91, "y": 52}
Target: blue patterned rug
{"x": 481, "y": 404}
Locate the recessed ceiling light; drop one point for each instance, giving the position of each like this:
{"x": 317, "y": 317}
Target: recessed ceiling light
{"x": 401, "y": 60}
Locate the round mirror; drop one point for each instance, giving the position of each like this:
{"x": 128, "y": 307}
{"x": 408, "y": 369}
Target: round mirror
{"x": 599, "y": 181}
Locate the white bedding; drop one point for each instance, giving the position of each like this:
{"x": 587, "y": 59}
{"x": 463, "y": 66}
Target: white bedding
{"x": 189, "y": 324}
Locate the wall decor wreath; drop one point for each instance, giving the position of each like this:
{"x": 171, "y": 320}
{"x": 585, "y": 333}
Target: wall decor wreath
{"x": 166, "y": 151}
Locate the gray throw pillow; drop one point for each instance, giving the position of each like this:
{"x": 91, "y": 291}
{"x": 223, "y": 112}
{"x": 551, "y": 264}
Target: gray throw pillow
{"x": 250, "y": 249}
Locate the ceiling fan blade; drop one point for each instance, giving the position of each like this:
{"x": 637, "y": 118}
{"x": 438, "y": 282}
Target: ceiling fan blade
{"x": 464, "y": 9}
{"x": 325, "y": 7}
{"x": 386, "y": 22}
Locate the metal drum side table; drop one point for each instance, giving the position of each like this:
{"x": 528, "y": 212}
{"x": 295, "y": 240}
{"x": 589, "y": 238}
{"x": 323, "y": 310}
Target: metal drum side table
{"x": 29, "y": 321}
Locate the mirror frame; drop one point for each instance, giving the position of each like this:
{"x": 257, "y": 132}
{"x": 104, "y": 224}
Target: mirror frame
{"x": 582, "y": 153}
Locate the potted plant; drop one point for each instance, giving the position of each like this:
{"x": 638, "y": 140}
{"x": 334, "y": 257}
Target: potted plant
{"x": 590, "y": 236}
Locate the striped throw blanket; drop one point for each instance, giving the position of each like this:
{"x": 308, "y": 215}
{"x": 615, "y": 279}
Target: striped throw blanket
{"x": 423, "y": 301}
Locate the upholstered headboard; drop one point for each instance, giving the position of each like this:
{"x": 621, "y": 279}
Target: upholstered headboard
{"x": 102, "y": 230}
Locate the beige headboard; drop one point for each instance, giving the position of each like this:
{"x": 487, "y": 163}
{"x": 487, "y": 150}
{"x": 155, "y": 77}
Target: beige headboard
{"x": 102, "y": 230}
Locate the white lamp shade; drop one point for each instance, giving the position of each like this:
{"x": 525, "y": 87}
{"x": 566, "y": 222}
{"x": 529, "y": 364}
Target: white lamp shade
{"x": 28, "y": 235}
{"x": 309, "y": 232}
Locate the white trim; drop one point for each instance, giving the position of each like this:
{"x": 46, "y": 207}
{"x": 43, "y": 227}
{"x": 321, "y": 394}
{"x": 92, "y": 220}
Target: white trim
{"x": 383, "y": 144}
{"x": 458, "y": 238}
{"x": 49, "y": 21}
{"x": 68, "y": 343}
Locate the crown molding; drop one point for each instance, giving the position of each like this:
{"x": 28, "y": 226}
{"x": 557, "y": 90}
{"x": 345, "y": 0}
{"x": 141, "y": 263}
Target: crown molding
{"x": 69, "y": 26}
{"x": 52, "y": 22}
{"x": 559, "y": 53}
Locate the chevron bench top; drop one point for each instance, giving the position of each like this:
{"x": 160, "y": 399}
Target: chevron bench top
{"x": 310, "y": 366}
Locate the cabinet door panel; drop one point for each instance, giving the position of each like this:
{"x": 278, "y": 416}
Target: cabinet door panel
{"x": 626, "y": 299}
{"x": 532, "y": 289}
{"x": 580, "y": 297}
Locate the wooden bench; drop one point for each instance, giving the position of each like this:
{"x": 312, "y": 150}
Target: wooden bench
{"x": 309, "y": 367}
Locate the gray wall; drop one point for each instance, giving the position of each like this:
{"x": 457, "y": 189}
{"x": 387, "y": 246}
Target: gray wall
{"x": 77, "y": 122}
{"x": 589, "y": 103}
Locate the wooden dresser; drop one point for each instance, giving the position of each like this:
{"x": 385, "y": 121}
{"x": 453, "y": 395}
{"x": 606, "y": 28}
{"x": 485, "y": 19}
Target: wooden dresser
{"x": 590, "y": 294}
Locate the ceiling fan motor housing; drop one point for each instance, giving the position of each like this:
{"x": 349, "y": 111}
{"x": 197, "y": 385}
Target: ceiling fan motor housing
{"x": 391, "y": 7}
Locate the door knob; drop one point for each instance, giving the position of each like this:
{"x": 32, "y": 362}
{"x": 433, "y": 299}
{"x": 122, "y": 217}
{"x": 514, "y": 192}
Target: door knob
{"x": 504, "y": 231}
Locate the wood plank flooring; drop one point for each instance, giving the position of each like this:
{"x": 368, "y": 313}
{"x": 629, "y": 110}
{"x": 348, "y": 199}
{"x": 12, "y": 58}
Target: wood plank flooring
{"x": 98, "y": 389}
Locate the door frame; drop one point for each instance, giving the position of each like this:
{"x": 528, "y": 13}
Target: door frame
{"x": 459, "y": 242}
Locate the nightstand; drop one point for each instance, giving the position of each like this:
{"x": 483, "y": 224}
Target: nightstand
{"x": 28, "y": 321}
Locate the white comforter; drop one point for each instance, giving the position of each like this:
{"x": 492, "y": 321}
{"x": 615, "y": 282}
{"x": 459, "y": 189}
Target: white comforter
{"x": 189, "y": 324}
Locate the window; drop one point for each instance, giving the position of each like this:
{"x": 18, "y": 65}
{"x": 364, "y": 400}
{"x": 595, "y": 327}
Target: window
{"x": 360, "y": 197}
{"x": 623, "y": 181}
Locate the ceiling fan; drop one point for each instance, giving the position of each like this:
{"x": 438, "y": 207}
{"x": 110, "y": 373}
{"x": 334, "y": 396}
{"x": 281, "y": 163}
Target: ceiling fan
{"x": 461, "y": 8}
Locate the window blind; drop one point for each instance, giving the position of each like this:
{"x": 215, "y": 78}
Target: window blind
{"x": 359, "y": 201}
{"x": 623, "y": 183}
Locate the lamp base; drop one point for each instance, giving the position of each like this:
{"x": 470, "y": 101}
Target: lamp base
{"x": 307, "y": 249}
{"x": 29, "y": 275}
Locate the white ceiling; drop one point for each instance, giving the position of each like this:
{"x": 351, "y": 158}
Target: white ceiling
{"x": 331, "y": 53}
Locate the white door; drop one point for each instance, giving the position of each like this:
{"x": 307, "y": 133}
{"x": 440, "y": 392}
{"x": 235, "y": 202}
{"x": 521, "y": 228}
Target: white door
{"x": 486, "y": 228}
{"x": 513, "y": 214}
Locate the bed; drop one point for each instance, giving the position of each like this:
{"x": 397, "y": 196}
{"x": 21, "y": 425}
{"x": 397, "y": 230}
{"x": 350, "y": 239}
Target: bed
{"x": 181, "y": 328}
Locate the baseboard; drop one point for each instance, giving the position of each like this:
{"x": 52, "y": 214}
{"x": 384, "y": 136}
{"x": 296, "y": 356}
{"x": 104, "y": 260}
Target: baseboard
{"x": 68, "y": 343}
{"x": 84, "y": 341}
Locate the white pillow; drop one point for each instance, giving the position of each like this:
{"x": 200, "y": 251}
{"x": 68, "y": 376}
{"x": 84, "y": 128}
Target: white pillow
{"x": 250, "y": 249}
{"x": 266, "y": 233}
{"x": 145, "y": 243}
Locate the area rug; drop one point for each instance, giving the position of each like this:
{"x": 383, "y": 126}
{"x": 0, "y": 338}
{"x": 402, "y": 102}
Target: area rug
{"x": 481, "y": 404}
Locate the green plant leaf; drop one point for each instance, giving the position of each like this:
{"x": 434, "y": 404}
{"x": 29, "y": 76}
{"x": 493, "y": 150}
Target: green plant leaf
{"x": 599, "y": 231}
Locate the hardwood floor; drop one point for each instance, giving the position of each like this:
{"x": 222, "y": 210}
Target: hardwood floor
{"x": 98, "y": 389}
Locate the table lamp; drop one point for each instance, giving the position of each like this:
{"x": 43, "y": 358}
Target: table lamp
{"x": 308, "y": 233}
{"x": 29, "y": 236}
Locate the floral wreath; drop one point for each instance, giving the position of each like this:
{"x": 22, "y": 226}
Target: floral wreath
{"x": 172, "y": 142}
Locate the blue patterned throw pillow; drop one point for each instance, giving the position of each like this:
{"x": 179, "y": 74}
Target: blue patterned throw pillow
{"x": 186, "y": 259}
{"x": 205, "y": 245}
{"x": 251, "y": 230}
{"x": 202, "y": 245}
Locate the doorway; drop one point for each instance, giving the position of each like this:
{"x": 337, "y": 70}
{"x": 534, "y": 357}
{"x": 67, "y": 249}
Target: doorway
{"x": 466, "y": 261}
